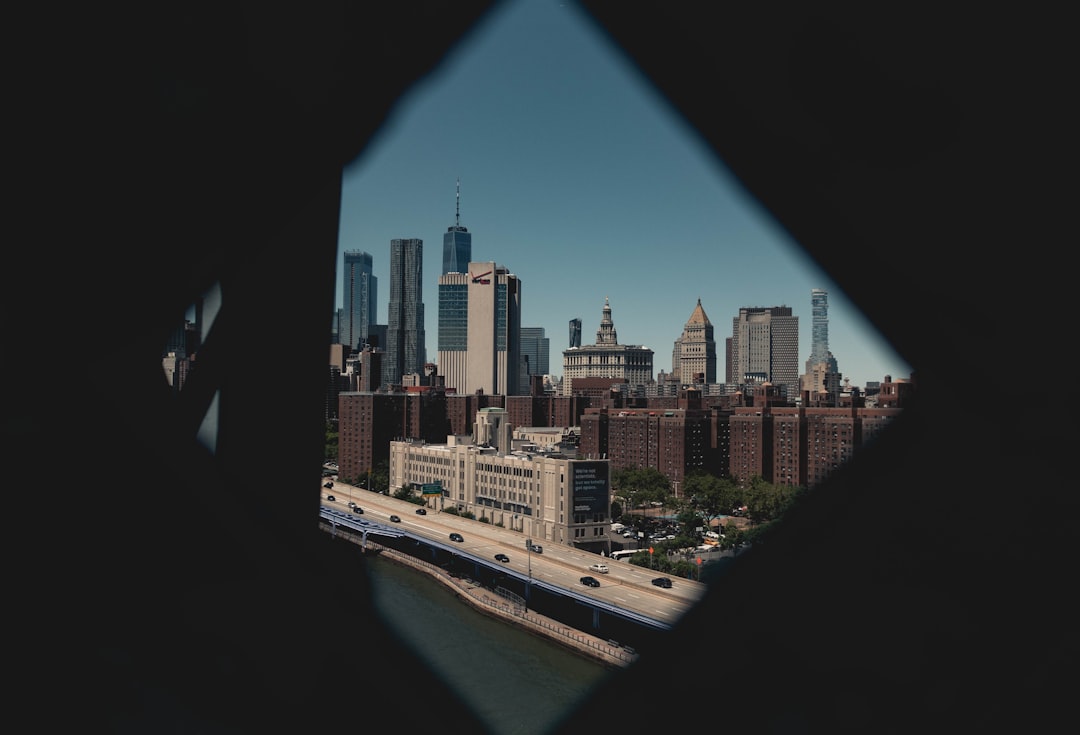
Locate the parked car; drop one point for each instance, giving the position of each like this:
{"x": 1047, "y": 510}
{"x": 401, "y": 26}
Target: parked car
{"x": 502, "y": 557}
{"x": 662, "y": 582}
{"x": 598, "y": 568}
{"x": 590, "y": 581}
{"x": 331, "y": 498}
{"x": 421, "y": 512}
{"x": 395, "y": 519}
{"x": 456, "y": 537}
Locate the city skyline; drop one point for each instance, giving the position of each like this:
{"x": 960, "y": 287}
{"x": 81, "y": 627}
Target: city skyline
{"x": 580, "y": 180}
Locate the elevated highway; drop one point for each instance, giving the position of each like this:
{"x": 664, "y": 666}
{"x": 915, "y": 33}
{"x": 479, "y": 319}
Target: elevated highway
{"x": 626, "y": 591}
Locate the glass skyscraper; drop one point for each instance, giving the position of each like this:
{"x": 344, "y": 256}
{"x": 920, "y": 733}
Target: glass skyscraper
{"x": 405, "y": 338}
{"x": 819, "y": 314}
{"x": 457, "y": 243}
{"x": 575, "y": 332}
{"x": 454, "y": 301}
{"x": 822, "y": 371}
{"x": 359, "y": 292}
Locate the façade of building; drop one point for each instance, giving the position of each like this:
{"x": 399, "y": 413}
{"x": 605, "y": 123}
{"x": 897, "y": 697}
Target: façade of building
{"x": 369, "y": 420}
{"x": 548, "y": 495}
{"x": 607, "y": 359}
{"x": 770, "y": 438}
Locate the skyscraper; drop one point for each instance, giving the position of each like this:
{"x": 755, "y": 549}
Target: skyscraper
{"x": 765, "y": 347}
{"x": 454, "y": 329}
{"x": 494, "y": 333}
{"x": 454, "y": 302}
{"x": 535, "y": 349}
{"x": 405, "y": 337}
{"x": 457, "y": 243}
{"x": 694, "y": 354}
{"x": 822, "y": 373}
{"x": 575, "y": 332}
{"x": 819, "y": 341}
{"x": 359, "y": 290}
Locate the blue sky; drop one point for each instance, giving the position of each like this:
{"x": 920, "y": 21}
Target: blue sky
{"x": 577, "y": 176}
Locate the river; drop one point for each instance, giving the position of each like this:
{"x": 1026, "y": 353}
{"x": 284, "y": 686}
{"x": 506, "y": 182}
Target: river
{"x": 484, "y": 662}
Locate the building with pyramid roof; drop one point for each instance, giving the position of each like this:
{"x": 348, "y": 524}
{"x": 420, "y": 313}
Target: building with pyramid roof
{"x": 693, "y": 359}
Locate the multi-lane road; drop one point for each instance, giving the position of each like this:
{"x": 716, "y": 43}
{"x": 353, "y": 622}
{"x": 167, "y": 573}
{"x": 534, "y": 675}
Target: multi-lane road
{"x": 624, "y": 585}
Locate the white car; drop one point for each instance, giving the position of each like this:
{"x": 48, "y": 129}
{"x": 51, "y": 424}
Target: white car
{"x": 598, "y": 568}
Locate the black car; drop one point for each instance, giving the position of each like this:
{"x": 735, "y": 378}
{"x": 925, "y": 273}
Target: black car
{"x": 421, "y": 512}
{"x": 590, "y": 581}
{"x": 662, "y": 582}
{"x": 502, "y": 557}
{"x": 328, "y": 484}
{"x": 331, "y": 498}
{"x": 456, "y": 537}
{"x": 395, "y": 519}
{"x": 358, "y": 510}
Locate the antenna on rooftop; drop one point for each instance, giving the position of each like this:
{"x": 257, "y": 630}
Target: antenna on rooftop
{"x": 457, "y": 206}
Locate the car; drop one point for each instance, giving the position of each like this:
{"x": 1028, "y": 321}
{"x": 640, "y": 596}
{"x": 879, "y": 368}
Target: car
{"x": 590, "y": 581}
{"x": 502, "y": 557}
{"x": 662, "y": 582}
{"x": 421, "y": 512}
{"x": 598, "y": 568}
{"x": 536, "y": 549}
{"x": 395, "y": 519}
{"x": 456, "y": 537}
{"x": 328, "y": 483}
{"x": 628, "y": 534}
{"x": 331, "y": 498}
{"x": 358, "y": 510}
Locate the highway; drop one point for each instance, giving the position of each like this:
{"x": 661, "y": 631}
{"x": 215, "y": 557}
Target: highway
{"x": 625, "y": 586}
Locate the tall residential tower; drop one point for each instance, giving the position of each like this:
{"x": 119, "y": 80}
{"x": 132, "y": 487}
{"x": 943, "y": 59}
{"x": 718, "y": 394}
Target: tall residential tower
{"x": 405, "y": 351}
{"x": 359, "y": 291}
{"x": 822, "y": 373}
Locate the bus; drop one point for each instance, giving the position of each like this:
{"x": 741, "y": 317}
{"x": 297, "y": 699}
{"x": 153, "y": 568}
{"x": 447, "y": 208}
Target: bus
{"x": 616, "y": 555}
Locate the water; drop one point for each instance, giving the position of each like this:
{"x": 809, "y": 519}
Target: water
{"x": 488, "y": 664}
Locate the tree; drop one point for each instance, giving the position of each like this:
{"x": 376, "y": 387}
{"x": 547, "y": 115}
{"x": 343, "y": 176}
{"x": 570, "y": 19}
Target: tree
{"x": 767, "y": 502}
{"x": 641, "y": 486}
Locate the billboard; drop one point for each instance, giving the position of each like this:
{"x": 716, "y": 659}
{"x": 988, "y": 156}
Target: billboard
{"x": 590, "y": 486}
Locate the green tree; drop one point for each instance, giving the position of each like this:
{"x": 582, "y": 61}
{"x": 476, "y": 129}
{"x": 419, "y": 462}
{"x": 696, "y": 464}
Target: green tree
{"x": 766, "y": 501}
{"x": 642, "y": 486}
{"x": 378, "y": 480}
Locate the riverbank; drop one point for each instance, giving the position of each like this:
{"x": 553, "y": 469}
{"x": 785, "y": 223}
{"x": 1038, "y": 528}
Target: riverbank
{"x": 486, "y": 601}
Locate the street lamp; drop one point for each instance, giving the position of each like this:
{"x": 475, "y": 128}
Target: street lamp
{"x": 528, "y": 587}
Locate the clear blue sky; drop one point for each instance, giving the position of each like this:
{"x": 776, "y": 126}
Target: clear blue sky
{"x": 577, "y": 176}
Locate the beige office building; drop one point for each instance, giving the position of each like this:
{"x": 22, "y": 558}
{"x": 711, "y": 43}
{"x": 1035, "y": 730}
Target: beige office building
{"x": 517, "y": 485}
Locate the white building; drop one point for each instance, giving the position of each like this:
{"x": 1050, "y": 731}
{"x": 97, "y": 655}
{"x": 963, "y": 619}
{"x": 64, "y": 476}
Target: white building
{"x": 607, "y": 359}
{"x": 545, "y": 495}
